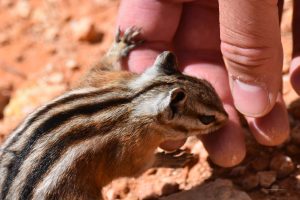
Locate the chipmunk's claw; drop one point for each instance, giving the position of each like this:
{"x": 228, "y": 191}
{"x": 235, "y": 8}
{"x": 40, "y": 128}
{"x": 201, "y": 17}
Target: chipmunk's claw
{"x": 127, "y": 41}
{"x": 131, "y": 33}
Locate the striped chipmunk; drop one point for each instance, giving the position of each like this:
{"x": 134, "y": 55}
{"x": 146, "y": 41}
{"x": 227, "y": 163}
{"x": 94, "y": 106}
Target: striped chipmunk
{"x": 109, "y": 126}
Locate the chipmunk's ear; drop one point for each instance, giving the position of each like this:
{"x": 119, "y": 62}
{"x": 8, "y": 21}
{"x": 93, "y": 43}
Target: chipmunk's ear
{"x": 177, "y": 99}
{"x": 166, "y": 63}
{"x": 169, "y": 103}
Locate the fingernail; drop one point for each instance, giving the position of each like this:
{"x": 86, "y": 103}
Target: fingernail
{"x": 250, "y": 99}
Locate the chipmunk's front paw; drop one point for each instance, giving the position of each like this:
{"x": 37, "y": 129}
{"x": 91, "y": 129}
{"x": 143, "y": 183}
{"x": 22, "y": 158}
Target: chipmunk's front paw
{"x": 177, "y": 159}
{"x": 127, "y": 41}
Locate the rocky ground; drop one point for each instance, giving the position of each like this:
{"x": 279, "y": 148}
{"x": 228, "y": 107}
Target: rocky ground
{"x": 46, "y": 45}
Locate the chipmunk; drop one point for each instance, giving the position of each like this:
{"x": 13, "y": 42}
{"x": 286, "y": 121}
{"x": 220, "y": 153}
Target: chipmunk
{"x": 107, "y": 127}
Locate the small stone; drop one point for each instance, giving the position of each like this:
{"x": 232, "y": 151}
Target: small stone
{"x": 4, "y": 39}
{"x": 49, "y": 67}
{"x": 276, "y": 189}
{"x": 260, "y": 163}
{"x": 293, "y": 149}
{"x": 297, "y": 186}
{"x": 294, "y": 109}
{"x": 51, "y": 34}
{"x": 72, "y": 64}
{"x": 67, "y": 17}
{"x": 295, "y": 134}
{"x": 216, "y": 190}
{"x": 250, "y": 182}
{"x": 264, "y": 190}
{"x": 151, "y": 171}
{"x": 5, "y": 94}
{"x": 85, "y": 30}
{"x": 23, "y": 9}
{"x": 51, "y": 50}
{"x": 39, "y": 15}
{"x": 117, "y": 190}
{"x": 266, "y": 178}
{"x": 170, "y": 188}
{"x": 283, "y": 165}
{"x": 55, "y": 78}
{"x": 238, "y": 171}
{"x": 19, "y": 58}
{"x": 7, "y": 3}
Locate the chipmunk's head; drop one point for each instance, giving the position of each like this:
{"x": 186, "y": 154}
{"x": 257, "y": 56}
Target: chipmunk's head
{"x": 181, "y": 105}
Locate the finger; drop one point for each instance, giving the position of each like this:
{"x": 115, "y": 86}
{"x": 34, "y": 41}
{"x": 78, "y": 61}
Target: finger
{"x": 252, "y": 50}
{"x": 273, "y": 128}
{"x": 197, "y": 45}
{"x": 158, "y": 20}
{"x": 295, "y": 64}
{"x": 226, "y": 147}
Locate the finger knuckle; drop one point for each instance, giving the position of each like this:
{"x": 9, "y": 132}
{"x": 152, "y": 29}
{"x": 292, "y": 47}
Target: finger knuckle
{"x": 242, "y": 56}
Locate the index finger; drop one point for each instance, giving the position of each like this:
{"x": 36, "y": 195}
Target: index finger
{"x": 158, "y": 20}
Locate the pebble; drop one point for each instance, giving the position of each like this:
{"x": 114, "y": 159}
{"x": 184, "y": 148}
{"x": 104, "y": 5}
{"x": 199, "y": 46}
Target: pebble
{"x": 20, "y": 58}
{"x": 294, "y": 109}
{"x": 5, "y": 94}
{"x": 55, "y": 78}
{"x": 261, "y": 163}
{"x": 85, "y": 30}
{"x": 52, "y": 50}
{"x": 266, "y": 178}
{"x": 119, "y": 190}
{"x": 276, "y": 189}
{"x": 238, "y": 171}
{"x": 4, "y": 39}
{"x": 293, "y": 149}
{"x": 169, "y": 188}
{"x": 297, "y": 186}
{"x": 216, "y": 190}
{"x": 282, "y": 164}
{"x": 72, "y": 64}
{"x": 23, "y": 9}
{"x": 250, "y": 182}
{"x": 295, "y": 134}
{"x": 49, "y": 67}
{"x": 7, "y": 3}
{"x": 51, "y": 34}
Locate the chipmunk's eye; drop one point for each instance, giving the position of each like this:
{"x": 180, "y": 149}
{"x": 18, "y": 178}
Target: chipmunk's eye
{"x": 207, "y": 119}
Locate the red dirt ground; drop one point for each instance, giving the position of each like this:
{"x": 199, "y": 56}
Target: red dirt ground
{"x": 46, "y": 45}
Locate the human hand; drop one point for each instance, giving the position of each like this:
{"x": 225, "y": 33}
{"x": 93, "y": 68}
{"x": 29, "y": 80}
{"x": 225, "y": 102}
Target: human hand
{"x": 252, "y": 50}
{"x": 295, "y": 64}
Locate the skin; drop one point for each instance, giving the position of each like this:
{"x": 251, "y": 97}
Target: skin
{"x": 247, "y": 35}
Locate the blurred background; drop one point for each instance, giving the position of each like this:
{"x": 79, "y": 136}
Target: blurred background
{"x": 45, "y": 45}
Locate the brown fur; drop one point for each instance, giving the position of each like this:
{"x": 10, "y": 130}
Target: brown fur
{"x": 107, "y": 127}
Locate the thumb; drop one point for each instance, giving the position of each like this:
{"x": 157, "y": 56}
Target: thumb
{"x": 252, "y": 50}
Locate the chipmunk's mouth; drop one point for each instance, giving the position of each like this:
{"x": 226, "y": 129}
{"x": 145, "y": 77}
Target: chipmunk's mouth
{"x": 204, "y": 131}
